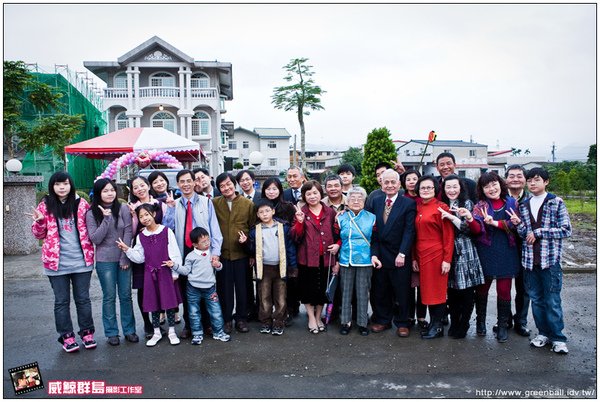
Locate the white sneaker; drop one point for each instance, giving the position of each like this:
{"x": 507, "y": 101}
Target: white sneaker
{"x": 174, "y": 339}
{"x": 560, "y": 347}
{"x": 154, "y": 340}
{"x": 539, "y": 341}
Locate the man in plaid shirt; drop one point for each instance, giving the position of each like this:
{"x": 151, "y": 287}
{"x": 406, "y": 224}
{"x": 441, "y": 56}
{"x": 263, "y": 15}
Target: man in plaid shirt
{"x": 543, "y": 223}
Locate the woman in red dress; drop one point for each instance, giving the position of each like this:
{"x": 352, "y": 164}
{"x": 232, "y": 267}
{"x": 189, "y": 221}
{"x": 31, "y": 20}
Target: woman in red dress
{"x": 434, "y": 247}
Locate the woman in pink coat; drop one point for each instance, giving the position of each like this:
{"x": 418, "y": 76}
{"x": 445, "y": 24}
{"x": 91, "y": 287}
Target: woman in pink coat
{"x": 68, "y": 258}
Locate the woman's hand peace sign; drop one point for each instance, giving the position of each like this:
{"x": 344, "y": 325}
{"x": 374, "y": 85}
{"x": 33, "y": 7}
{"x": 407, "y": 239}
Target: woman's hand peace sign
{"x": 170, "y": 200}
{"x": 514, "y": 218}
{"x": 36, "y": 215}
{"x": 299, "y": 214}
{"x": 105, "y": 211}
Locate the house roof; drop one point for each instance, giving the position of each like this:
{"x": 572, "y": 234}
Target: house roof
{"x": 273, "y": 133}
{"x": 150, "y": 44}
{"x": 446, "y": 143}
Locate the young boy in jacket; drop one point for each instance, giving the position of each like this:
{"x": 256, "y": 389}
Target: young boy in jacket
{"x": 199, "y": 268}
{"x": 275, "y": 253}
{"x": 543, "y": 223}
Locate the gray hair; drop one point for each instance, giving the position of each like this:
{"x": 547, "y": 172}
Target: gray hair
{"x": 391, "y": 171}
{"x": 357, "y": 190}
{"x": 332, "y": 177}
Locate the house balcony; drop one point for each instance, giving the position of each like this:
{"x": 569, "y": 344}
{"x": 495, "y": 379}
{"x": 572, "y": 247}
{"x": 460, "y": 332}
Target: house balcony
{"x": 167, "y": 95}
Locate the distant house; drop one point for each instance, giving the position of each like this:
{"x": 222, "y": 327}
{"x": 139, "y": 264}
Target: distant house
{"x": 157, "y": 85}
{"x": 500, "y": 160}
{"x": 471, "y": 158}
{"x": 272, "y": 143}
{"x": 319, "y": 158}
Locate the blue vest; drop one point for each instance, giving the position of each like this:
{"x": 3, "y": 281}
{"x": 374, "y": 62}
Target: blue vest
{"x": 355, "y": 250}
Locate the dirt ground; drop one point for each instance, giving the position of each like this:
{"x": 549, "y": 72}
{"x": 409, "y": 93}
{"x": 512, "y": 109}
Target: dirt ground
{"x": 580, "y": 249}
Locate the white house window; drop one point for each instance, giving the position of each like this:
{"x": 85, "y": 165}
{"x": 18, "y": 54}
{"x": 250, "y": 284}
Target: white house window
{"x": 121, "y": 81}
{"x": 246, "y": 162}
{"x": 272, "y": 144}
{"x": 200, "y": 124}
{"x": 246, "y": 144}
{"x": 200, "y": 80}
{"x": 165, "y": 120}
{"x": 121, "y": 121}
{"x": 162, "y": 80}
{"x": 272, "y": 162}
{"x": 472, "y": 153}
{"x": 232, "y": 145}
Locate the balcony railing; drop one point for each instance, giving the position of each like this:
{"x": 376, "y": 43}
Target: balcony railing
{"x": 161, "y": 92}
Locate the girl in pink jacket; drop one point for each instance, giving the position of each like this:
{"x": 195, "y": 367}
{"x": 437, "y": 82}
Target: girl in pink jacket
{"x": 68, "y": 258}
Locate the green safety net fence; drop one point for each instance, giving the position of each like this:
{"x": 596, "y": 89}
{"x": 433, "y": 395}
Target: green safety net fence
{"x": 44, "y": 163}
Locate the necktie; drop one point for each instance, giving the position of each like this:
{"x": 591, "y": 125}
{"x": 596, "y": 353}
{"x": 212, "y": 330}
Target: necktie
{"x": 297, "y": 194}
{"x": 208, "y": 195}
{"x": 248, "y": 197}
{"x": 188, "y": 224}
{"x": 387, "y": 210}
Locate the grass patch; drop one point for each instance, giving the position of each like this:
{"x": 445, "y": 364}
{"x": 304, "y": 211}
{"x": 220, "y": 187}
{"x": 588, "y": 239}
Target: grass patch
{"x": 579, "y": 206}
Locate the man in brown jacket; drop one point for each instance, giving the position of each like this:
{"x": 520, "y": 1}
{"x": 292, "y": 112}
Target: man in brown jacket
{"x": 235, "y": 214}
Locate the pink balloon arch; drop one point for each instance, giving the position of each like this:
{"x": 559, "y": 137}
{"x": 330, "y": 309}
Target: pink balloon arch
{"x": 140, "y": 158}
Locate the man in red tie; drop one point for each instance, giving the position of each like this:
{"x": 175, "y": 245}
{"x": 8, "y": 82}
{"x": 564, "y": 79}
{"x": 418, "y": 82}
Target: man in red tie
{"x": 186, "y": 213}
{"x": 392, "y": 243}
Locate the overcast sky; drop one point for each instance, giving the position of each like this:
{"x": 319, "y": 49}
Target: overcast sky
{"x": 519, "y": 76}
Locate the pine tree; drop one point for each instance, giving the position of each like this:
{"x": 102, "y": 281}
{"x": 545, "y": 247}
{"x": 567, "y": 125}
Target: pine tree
{"x": 379, "y": 148}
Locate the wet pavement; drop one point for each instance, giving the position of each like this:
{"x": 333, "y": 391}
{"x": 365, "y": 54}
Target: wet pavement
{"x": 300, "y": 364}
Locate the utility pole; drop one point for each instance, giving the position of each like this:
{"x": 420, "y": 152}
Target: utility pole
{"x": 553, "y": 152}
{"x": 295, "y": 152}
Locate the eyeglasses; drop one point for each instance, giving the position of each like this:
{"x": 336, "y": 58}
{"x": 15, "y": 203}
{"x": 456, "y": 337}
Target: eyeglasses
{"x": 427, "y": 188}
{"x": 356, "y": 199}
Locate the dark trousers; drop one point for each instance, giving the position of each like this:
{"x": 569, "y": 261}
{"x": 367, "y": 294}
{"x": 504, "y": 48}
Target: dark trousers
{"x": 417, "y": 305}
{"x": 390, "y": 289}
{"x": 521, "y": 301}
{"x": 461, "y": 302}
{"x": 272, "y": 291}
{"x": 253, "y": 302}
{"x": 231, "y": 283}
{"x": 293, "y": 296}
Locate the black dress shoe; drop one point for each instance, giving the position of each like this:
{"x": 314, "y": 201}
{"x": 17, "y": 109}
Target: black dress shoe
{"x": 241, "y": 326}
{"x": 133, "y": 338}
{"x": 521, "y": 330}
{"x": 113, "y": 341}
{"x": 363, "y": 331}
{"x": 227, "y": 327}
{"x": 345, "y": 329}
{"x": 435, "y": 331}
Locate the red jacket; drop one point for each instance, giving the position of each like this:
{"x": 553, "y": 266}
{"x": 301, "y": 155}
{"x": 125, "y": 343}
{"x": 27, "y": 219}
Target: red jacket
{"x": 310, "y": 236}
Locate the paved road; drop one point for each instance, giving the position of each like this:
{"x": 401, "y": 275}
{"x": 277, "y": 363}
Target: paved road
{"x": 300, "y": 364}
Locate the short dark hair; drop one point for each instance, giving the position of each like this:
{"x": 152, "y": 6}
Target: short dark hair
{"x": 514, "y": 167}
{"x": 463, "y": 195}
{"x": 436, "y": 184}
{"x": 346, "y": 167}
{"x": 197, "y": 233}
{"x": 445, "y": 155}
{"x": 382, "y": 164}
{"x": 538, "y": 171}
{"x": 200, "y": 169}
{"x": 263, "y": 202}
{"x": 406, "y": 173}
{"x": 150, "y": 208}
{"x": 238, "y": 176}
{"x": 224, "y": 176}
{"x": 487, "y": 178}
{"x": 309, "y": 185}
{"x": 183, "y": 172}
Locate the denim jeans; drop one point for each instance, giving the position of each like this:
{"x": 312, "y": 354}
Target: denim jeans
{"x": 61, "y": 285}
{"x": 113, "y": 279}
{"x": 194, "y": 295}
{"x": 543, "y": 287}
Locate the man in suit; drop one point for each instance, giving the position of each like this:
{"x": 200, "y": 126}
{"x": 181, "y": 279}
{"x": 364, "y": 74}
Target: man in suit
{"x": 203, "y": 184}
{"x": 445, "y": 164}
{"x": 246, "y": 179}
{"x": 392, "y": 243}
{"x": 295, "y": 179}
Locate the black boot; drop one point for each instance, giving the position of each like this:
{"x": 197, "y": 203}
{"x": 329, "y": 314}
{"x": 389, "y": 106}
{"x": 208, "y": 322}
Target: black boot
{"x": 503, "y": 317}
{"x": 465, "y": 318}
{"x": 436, "y": 328}
{"x": 481, "y": 310}
{"x": 454, "y": 310}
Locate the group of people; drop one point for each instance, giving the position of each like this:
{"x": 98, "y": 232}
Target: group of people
{"x": 228, "y": 253}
